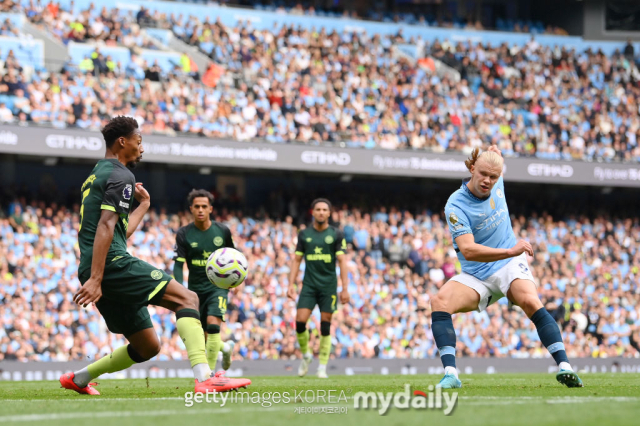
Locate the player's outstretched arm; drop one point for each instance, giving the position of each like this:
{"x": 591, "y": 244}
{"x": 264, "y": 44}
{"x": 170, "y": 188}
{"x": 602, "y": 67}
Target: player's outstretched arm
{"x": 293, "y": 275}
{"x": 135, "y": 218}
{"x": 344, "y": 278}
{"x": 478, "y": 253}
{"x": 91, "y": 291}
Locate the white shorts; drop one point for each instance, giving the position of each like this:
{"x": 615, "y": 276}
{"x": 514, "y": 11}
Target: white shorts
{"x": 497, "y": 285}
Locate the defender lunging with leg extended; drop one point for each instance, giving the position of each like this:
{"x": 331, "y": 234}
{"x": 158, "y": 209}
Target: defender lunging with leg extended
{"x": 494, "y": 264}
{"x": 120, "y": 285}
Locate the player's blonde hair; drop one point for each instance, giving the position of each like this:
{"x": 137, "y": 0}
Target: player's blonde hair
{"x": 491, "y": 158}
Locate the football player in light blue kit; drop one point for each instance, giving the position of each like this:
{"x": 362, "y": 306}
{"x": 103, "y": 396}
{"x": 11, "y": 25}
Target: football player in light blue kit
{"x": 494, "y": 265}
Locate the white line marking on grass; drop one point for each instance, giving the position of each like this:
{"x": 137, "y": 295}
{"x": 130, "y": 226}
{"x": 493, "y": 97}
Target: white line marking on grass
{"x": 484, "y": 400}
{"x": 100, "y": 414}
{"x": 583, "y": 399}
{"x": 92, "y": 414}
{"x": 95, "y": 399}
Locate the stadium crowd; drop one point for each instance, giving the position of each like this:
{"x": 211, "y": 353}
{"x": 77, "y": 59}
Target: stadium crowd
{"x": 357, "y": 90}
{"x": 587, "y": 272}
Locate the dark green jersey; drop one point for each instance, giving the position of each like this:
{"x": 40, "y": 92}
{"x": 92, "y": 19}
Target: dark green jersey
{"x": 109, "y": 187}
{"x": 319, "y": 250}
{"x": 194, "y": 247}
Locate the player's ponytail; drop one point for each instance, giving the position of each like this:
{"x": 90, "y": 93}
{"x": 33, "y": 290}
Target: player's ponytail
{"x": 472, "y": 160}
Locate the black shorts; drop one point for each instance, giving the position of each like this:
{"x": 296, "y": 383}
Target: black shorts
{"x": 128, "y": 286}
{"x": 213, "y": 302}
{"x": 325, "y": 298}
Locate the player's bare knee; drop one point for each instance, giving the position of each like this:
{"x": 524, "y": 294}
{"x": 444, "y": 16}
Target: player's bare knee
{"x": 150, "y": 350}
{"x": 191, "y": 300}
{"x": 154, "y": 349}
{"x": 439, "y": 303}
{"x": 530, "y": 304}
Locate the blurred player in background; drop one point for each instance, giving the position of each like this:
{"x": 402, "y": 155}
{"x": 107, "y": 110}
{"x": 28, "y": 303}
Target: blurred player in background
{"x": 320, "y": 245}
{"x": 494, "y": 264}
{"x": 194, "y": 244}
{"x": 120, "y": 285}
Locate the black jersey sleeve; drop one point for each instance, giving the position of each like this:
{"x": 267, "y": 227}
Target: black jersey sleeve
{"x": 228, "y": 239}
{"x": 340, "y": 244}
{"x": 300, "y": 245}
{"x": 118, "y": 192}
{"x": 181, "y": 246}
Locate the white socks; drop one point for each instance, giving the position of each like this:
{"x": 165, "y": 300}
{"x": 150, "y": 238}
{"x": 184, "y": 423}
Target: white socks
{"x": 201, "y": 372}
{"x": 565, "y": 366}
{"x": 322, "y": 368}
{"x": 451, "y": 370}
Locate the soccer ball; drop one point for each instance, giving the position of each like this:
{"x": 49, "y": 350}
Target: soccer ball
{"x": 227, "y": 268}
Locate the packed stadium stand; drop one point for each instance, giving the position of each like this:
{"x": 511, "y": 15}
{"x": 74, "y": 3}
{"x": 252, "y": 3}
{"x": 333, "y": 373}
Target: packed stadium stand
{"x": 587, "y": 270}
{"x": 351, "y": 87}
{"x": 373, "y": 85}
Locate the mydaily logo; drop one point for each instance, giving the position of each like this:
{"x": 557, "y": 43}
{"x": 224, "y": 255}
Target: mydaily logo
{"x": 417, "y": 400}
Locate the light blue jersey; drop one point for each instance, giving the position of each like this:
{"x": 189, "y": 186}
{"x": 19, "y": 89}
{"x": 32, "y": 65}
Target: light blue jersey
{"x": 487, "y": 219}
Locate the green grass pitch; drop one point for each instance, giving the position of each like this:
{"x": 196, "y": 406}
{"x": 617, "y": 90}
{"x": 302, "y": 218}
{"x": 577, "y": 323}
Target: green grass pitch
{"x": 492, "y": 400}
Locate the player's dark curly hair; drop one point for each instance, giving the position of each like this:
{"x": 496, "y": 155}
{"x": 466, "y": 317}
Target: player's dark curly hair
{"x": 197, "y": 193}
{"x": 320, "y": 200}
{"x": 119, "y": 126}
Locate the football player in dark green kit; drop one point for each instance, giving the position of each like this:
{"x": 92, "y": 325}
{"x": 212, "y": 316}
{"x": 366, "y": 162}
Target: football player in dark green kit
{"x": 320, "y": 246}
{"x": 194, "y": 244}
{"x": 120, "y": 285}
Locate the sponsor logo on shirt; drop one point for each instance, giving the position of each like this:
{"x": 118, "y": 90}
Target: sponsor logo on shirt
{"x": 319, "y": 256}
{"x": 494, "y": 220}
{"x": 123, "y": 204}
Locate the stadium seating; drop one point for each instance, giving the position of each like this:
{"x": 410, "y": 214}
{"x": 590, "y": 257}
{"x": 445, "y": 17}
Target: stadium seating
{"x": 16, "y": 44}
{"x": 284, "y": 85}
{"x": 588, "y": 273}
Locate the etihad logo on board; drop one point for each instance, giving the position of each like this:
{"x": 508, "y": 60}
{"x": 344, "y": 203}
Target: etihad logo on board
{"x": 74, "y": 142}
{"x": 8, "y": 138}
{"x": 319, "y": 157}
{"x": 550, "y": 170}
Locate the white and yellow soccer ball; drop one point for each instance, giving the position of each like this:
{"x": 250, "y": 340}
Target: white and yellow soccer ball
{"x": 227, "y": 268}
